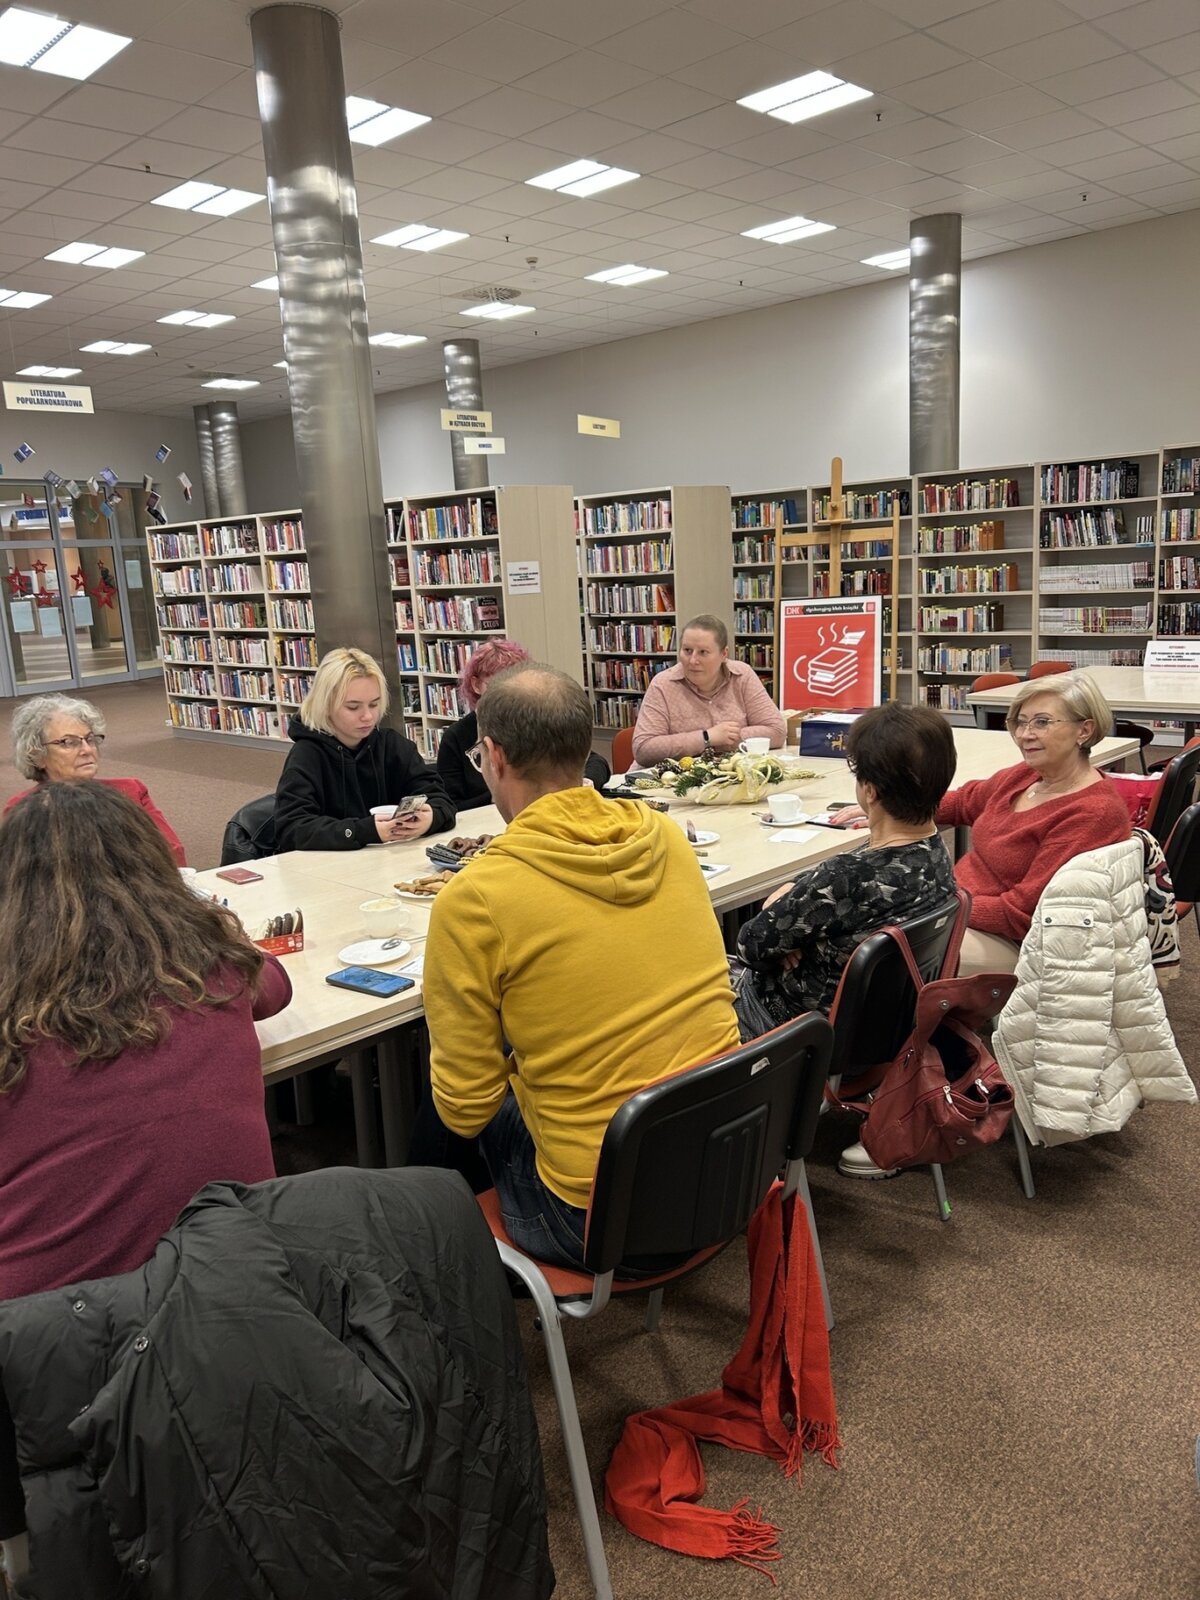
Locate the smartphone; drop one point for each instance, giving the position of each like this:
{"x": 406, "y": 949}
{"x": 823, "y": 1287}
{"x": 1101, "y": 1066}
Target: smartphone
{"x": 365, "y": 980}
{"x": 410, "y": 803}
{"x": 239, "y": 875}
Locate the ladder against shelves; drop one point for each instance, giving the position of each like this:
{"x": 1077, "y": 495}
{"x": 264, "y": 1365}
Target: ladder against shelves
{"x": 649, "y": 560}
{"x": 754, "y": 521}
{"x": 235, "y": 622}
{"x": 472, "y": 565}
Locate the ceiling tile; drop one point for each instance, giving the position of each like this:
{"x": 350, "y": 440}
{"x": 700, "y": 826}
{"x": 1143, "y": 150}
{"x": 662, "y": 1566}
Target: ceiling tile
{"x": 205, "y": 28}
{"x": 1087, "y": 147}
{"x": 1154, "y": 100}
{"x": 584, "y": 77}
{"x": 1003, "y": 23}
{"x": 741, "y": 70}
{"x": 1101, "y": 78}
{"x": 963, "y": 85}
{"x": 93, "y": 105}
{"x": 722, "y": 127}
{"x": 1162, "y": 129}
{"x": 904, "y": 60}
{"x": 1153, "y": 23}
{"x": 427, "y": 87}
{"x": 499, "y": 50}
{"x": 925, "y": 13}
{"x": 1030, "y": 133}
{"x": 1002, "y": 110}
{"x": 509, "y": 111}
{"x": 838, "y": 31}
{"x": 1114, "y": 166}
{"x": 755, "y": 17}
{"x": 1181, "y": 55}
{"x": 584, "y": 133}
{"x": 581, "y": 21}
{"x": 456, "y": 184}
{"x": 661, "y": 39}
{"x": 1064, "y": 51}
{"x": 657, "y": 104}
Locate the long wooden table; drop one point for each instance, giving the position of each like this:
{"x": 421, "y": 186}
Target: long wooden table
{"x": 323, "y": 1022}
{"x": 1172, "y": 696}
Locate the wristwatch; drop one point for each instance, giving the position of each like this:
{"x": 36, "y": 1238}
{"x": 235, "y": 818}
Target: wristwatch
{"x": 708, "y": 749}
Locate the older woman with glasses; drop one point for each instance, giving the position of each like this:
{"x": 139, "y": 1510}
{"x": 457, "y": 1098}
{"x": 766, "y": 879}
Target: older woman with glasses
{"x": 57, "y": 739}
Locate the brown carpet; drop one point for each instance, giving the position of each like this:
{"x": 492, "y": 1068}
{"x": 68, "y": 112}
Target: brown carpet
{"x": 1018, "y": 1388}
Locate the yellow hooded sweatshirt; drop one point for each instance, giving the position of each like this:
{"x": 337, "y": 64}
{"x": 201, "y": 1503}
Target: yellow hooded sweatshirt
{"x": 585, "y": 937}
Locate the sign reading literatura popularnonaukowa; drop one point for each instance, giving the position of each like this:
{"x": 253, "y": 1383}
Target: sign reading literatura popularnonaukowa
{"x": 75, "y": 397}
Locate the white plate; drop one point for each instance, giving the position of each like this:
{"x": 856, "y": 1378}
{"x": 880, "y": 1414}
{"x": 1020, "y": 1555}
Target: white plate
{"x": 703, "y": 836}
{"x": 371, "y": 953}
{"x": 421, "y": 899}
{"x": 802, "y": 821}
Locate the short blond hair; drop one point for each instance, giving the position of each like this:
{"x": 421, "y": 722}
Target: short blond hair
{"x": 336, "y": 669}
{"x": 1080, "y": 696}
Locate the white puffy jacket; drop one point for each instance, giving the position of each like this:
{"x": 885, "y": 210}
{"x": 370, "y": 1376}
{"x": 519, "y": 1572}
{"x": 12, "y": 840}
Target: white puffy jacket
{"x": 1085, "y": 1037}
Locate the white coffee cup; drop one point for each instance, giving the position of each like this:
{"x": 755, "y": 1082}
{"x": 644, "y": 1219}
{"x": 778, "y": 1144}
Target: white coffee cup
{"x": 386, "y": 812}
{"x": 383, "y": 917}
{"x": 754, "y": 747}
{"x": 783, "y": 807}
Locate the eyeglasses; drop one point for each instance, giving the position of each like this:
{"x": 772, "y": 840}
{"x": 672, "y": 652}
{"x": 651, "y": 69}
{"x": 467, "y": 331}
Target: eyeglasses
{"x": 1037, "y": 724}
{"x": 851, "y": 766}
{"x": 475, "y": 756}
{"x": 74, "y": 741}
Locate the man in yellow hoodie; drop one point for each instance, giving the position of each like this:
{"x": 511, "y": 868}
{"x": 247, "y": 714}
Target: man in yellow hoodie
{"x": 584, "y": 938}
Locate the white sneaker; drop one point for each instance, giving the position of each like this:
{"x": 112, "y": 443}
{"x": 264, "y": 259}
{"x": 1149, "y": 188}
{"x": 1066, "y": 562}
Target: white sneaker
{"x": 854, "y": 1162}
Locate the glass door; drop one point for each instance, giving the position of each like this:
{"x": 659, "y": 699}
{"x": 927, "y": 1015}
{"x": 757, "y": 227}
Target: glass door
{"x": 35, "y": 631}
{"x": 100, "y": 627}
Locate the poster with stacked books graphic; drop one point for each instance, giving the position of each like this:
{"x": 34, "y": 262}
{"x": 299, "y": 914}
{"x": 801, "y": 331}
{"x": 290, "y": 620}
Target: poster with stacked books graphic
{"x": 831, "y": 653}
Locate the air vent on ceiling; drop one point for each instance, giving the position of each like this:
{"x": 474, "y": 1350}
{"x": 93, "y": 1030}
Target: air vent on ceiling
{"x": 495, "y": 292}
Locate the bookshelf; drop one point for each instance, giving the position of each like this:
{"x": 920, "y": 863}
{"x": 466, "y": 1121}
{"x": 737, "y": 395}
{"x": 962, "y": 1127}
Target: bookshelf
{"x": 235, "y": 623}
{"x": 754, "y": 518}
{"x": 650, "y": 559}
{"x": 473, "y": 565}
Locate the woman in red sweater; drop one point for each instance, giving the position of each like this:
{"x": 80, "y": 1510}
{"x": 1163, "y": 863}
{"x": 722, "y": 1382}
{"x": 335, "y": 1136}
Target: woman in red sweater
{"x": 130, "y": 1071}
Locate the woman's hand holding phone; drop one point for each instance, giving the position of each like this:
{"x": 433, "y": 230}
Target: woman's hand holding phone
{"x": 412, "y": 824}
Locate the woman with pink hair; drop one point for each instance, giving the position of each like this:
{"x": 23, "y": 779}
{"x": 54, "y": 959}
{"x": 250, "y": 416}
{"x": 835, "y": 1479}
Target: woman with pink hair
{"x": 463, "y": 783}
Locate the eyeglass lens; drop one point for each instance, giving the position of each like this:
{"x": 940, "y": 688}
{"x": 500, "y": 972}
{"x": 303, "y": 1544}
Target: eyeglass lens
{"x": 73, "y": 741}
{"x": 1038, "y": 724}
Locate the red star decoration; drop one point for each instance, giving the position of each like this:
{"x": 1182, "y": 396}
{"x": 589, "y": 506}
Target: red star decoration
{"x": 38, "y": 566}
{"x": 13, "y": 580}
{"x": 78, "y": 579}
{"x": 103, "y": 594}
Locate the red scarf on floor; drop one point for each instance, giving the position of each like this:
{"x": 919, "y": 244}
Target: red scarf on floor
{"x": 776, "y": 1399}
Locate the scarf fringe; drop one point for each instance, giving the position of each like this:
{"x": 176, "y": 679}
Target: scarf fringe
{"x": 753, "y": 1541}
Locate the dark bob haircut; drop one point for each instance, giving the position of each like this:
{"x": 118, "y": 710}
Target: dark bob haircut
{"x": 907, "y": 755}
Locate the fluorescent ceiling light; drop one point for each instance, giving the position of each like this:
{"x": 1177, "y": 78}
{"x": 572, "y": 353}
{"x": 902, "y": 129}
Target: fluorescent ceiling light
{"x": 801, "y": 98}
{"x": 20, "y": 300}
{"x": 230, "y": 383}
{"x": 890, "y": 261}
{"x": 113, "y": 347}
{"x": 266, "y": 283}
{"x": 788, "y": 230}
{"x": 80, "y": 254}
{"x": 627, "y": 275}
{"x": 48, "y": 44}
{"x": 419, "y": 236}
{"x": 582, "y": 178}
{"x": 49, "y": 372}
{"x": 197, "y": 319}
{"x": 371, "y": 122}
{"x": 209, "y": 199}
{"x": 397, "y": 341}
{"x": 497, "y": 310}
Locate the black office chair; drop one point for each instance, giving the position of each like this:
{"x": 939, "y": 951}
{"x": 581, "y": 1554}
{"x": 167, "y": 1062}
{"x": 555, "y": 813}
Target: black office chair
{"x": 1176, "y": 791}
{"x": 684, "y": 1165}
{"x": 1182, "y": 851}
{"x": 874, "y": 1009}
{"x": 250, "y": 832}
{"x": 1138, "y": 731}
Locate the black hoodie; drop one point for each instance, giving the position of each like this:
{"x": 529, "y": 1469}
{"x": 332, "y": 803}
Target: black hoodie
{"x": 325, "y": 792}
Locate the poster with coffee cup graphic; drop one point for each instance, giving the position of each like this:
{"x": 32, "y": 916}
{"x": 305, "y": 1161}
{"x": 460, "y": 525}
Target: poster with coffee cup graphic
{"x": 831, "y": 653}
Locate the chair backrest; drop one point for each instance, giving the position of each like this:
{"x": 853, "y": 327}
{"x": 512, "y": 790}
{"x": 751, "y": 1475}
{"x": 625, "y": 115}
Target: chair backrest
{"x": 597, "y": 771}
{"x": 1182, "y": 851}
{"x": 872, "y": 1012}
{"x": 250, "y": 832}
{"x": 622, "y": 750}
{"x": 994, "y": 680}
{"x": 687, "y": 1161}
{"x": 1176, "y": 791}
{"x": 1044, "y": 669}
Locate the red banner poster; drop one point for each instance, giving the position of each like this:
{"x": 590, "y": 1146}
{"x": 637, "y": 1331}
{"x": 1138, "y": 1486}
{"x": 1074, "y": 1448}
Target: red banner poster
{"x": 830, "y": 654}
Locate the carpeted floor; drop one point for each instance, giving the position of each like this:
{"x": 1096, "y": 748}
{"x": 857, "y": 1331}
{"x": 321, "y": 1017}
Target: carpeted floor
{"x": 1018, "y": 1388}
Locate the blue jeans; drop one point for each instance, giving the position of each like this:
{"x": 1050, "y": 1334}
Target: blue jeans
{"x": 538, "y": 1222}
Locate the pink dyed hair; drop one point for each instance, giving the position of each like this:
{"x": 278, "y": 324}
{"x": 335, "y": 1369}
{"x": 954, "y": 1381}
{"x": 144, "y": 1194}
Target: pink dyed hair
{"x": 485, "y": 663}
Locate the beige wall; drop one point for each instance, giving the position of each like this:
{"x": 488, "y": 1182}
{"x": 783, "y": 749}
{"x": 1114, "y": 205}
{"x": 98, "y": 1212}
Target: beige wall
{"x": 77, "y": 447}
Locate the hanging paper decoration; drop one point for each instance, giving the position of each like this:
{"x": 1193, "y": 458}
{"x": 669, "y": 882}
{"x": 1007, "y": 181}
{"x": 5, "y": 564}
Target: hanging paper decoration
{"x": 161, "y": 454}
{"x": 79, "y": 580}
{"x": 186, "y": 484}
{"x": 91, "y": 513}
{"x": 51, "y": 479}
{"x": 115, "y": 498}
{"x": 26, "y": 498}
{"x": 108, "y": 510}
{"x": 147, "y": 483}
{"x": 14, "y": 581}
{"x": 24, "y": 451}
{"x": 103, "y": 594}
{"x": 38, "y": 566}
{"x": 92, "y": 486}
{"x": 72, "y": 488}
{"x": 107, "y": 475}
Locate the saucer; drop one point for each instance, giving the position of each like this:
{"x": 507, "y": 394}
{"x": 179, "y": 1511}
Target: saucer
{"x": 371, "y": 953}
{"x": 802, "y": 821}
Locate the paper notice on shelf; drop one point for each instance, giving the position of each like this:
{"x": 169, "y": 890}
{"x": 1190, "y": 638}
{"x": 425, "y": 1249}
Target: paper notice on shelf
{"x": 133, "y": 573}
{"x": 598, "y": 427}
{"x": 21, "y": 613}
{"x": 466, "y": 421}
{"x": 476, "y": 444}
{"x": 524, "y": 577}
{"x": 1172, "y": 655}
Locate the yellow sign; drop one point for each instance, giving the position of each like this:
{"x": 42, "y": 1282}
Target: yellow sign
{"x": 466, "y": 422}
{"x": 599, "y": 427}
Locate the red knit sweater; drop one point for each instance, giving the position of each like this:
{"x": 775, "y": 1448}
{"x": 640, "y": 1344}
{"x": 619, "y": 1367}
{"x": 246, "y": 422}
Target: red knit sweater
{"x": 1014, "y": 854}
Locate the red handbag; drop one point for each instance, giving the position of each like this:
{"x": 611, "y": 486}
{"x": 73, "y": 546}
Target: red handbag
{"x": 943, "y": 1095}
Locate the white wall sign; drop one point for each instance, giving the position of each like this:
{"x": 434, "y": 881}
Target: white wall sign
{"x": 1172, "y": 655}
{"x": 133, "y": 572}
{"x": 598, "y": 427}
{"x": 466, "y": 421}
{"x": 81, "y": 606}
{"x": 477, "y": 445}
{"x": 21, "y": 613}
{"x": 524, "y": 577}
{"x": 51, "y": 623}
{"x": 48, "y": 397}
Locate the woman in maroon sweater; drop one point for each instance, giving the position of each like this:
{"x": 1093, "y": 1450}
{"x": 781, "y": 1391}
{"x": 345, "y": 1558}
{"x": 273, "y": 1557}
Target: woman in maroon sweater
{"x": 130, "y": 1071}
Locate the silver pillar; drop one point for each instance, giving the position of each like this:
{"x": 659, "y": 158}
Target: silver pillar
{"x": 934, "y": 301}
{"x": 208, "y": 461}
{"x": 464, "y": 392}
{"x": 323, "y": 307}
{"x": 227, "y": 458}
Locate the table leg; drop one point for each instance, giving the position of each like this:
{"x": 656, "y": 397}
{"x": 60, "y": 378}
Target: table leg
{"x": 366, "y": 1123}
{"x": 398, "y": 1055}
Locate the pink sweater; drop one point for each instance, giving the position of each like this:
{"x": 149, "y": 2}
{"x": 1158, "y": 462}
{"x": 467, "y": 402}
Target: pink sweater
{"x": 1014, "y": 854}
{"x": 673, "y": 716}
{"x": 97, "y": 1161}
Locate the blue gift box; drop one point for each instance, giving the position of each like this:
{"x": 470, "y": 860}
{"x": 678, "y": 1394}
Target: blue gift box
{"x": 825, "y": 734}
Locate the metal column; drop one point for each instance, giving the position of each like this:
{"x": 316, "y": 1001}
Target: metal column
{"x": 464, "y": 392}
{"x": 934, "y": 305}
{"x": 323, "y": 307}
{"x": 208, "y": 461}
{"x": 227, "y": 458}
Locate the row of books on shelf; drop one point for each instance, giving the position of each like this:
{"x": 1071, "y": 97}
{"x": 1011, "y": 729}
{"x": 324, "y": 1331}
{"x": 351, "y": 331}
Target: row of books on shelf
{"x": 624, "y": 638}
{"x": 1094, "y": 619}
{"x": 182, "y": 580}
{"x": 1179, "y": 617}
{"x": 617, "y": 599}
{"x": 1081, "y": 530}
{"x": 1097, "y": 575}
{"x": 460, "y": 519}
{"x": 651, "y": 555}
{"x": 190, "y": 680}
{"x": 241, "y": 650}
{"x": 857, "y": 550}
{"x": 960, "y": 540}
{"x": 975, "y": 579}
{"x": 963, "y": 619}
{"x": 1094, "y": 658}
{"x": 1181, "y": 475}
{"x": 246, "y": 685}
{"x": 187, "y": 647}
{"x": 172, "y": 616}
{"x": 972, "y": 494}
{"x": 626, "y": 516}
{"x": 947, "y": 696}
{"x": 754, "y": 619}
{"x": 293, "y": 651}
{"x": 762, "y": 514}
{"x": 443, "y": 700}
{"x": 175, "y": 546}
{"x": 634, "y": 674}
{"x": 293, "y": 686}
{"x": 858, "y": 581}
{"x": 751, "y": 552}
{"x": 291, "y": 614}
{"x": 865, "y": 505}
{"x": 236, "y": 577}
{"x": 238, "y": 614}
{"x": 464, "y": 565}
{"x": 958, "y": 658}
{"x": 1088, "y": 480}
{"x": 760, "y": 586}
{"x": 614, "y": 712}
{"x": 1180, "y": 523}
{"x": 1179, "y": 572}
{"x": 461, "y": 614}
{"x": 759, "y": 656}
{"x": 447, "y": 655}
{"x": 207, "y": 717}
{"x": 230, "y": 539}
{"x": 285, "y": 535}
{"x": 287, "y": 575}
{"x": 398, "y": 560}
